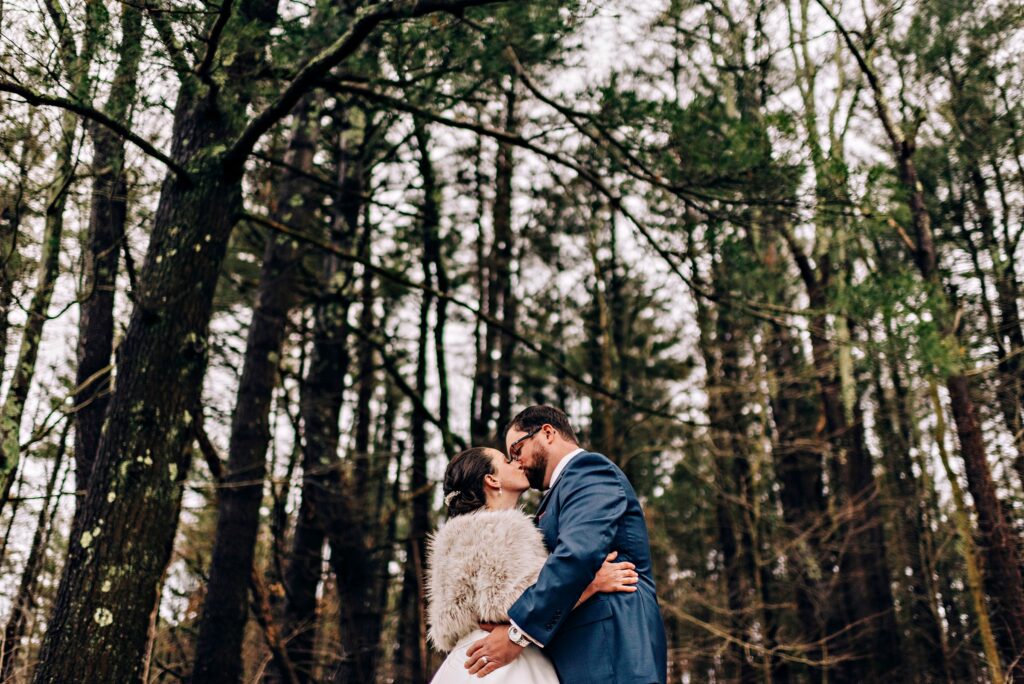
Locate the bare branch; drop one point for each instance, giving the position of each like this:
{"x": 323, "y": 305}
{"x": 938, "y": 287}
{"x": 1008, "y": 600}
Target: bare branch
{"x": 39, "y": 99}
{"x": 212, "y": 42}
{"x": 320, "y": 66}
{"x": 881, "y": 107}
{"x": 174, "y": 51}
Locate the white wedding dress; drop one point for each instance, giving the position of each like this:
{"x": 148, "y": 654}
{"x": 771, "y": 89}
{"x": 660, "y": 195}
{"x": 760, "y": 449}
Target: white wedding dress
{"x": 531, "y": 667}
{"x": 478, "y": 564}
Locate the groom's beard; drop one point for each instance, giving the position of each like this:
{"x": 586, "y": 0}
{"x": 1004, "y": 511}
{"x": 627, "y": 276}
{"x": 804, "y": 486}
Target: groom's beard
{"x": 535, "y": 473}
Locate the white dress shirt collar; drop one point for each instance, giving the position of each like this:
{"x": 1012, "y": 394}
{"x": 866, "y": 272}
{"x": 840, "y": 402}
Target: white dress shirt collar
{"x": 561, "y": 466}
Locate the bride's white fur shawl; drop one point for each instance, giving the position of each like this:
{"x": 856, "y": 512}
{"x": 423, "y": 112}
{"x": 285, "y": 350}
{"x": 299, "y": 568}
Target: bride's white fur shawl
{"x": 477, "y": 566}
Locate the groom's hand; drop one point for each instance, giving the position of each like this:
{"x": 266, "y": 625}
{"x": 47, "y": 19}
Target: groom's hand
{"x": 492, "y": 652}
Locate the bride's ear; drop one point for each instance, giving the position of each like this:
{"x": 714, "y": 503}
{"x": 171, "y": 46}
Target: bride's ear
{"x": 492, "y": 481}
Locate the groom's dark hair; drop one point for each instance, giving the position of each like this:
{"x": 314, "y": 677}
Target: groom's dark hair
{"x": 533, "y": 417}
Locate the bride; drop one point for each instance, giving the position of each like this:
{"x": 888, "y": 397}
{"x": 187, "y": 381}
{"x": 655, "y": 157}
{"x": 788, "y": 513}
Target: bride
{"x": 482, "y": 559}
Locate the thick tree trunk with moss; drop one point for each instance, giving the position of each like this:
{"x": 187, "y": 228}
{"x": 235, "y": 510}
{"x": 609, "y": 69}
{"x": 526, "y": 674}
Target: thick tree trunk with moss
{"x": 222, "y": 627}
{"x": 121, "y": 544}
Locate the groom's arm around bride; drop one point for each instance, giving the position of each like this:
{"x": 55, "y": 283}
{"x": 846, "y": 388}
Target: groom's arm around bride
{"x": 588, "y": 510}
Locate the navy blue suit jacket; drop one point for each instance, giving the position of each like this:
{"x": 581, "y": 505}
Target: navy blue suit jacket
{"x": 612, "y": 638}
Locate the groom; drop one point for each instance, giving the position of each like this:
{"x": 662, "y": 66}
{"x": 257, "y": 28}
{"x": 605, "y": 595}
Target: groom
{"x": 588, "y": 510}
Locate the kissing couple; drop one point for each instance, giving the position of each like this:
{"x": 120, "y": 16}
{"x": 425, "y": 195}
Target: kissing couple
{"x": 566, "y": 597}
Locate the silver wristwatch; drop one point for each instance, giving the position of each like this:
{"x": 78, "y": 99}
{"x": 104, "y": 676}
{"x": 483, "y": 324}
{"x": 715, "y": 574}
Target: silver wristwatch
{"x": 516, "y": 636}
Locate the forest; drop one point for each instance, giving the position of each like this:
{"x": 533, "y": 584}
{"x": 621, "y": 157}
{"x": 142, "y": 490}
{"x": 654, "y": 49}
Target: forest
{"x": 267, "y": 265}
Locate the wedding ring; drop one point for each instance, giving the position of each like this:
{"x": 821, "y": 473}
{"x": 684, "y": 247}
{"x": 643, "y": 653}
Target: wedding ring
{"x": 485, "y": 659}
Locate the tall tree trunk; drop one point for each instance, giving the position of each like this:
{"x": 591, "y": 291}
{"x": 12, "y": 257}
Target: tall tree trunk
{"x": 502, "y": 260}
{"x": 366, "y": 382}
{"x": 412, "y": 638}
{"x": 720, "y": 346}
{"x": 864, "y": 571}
{"x": 105, "y": 233}
{"x": 1007, "y": 334}
{"x": 25, "y": 599}
{"x": 962, "y": 518}
{"x": 797, "y": 452}
{"x": 301, "y": 581}
{"x": 922, "y": 623}
{"x": 218, "y": 656}
{"x": 435, "y": 271}
{"x": 413, "y": 656}
{"x": 493, "y": 376}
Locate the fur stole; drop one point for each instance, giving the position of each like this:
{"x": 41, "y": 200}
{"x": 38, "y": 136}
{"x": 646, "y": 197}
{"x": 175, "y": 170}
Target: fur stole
{"x": 477, "y": 566}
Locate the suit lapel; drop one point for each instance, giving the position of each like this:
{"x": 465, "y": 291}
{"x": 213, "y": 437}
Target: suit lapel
{"x": 543, "y": 503}
{"x": 547, "y": 497}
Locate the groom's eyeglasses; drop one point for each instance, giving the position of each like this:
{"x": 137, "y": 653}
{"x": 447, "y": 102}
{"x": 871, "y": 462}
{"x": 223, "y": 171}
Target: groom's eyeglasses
{"x": 516, "y": 447}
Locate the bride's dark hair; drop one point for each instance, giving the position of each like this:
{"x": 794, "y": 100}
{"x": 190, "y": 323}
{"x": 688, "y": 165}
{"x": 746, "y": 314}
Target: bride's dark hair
{"x": 464, "y": 481}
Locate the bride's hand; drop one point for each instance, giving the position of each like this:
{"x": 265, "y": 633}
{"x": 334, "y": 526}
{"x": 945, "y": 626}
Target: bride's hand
{"x": 611, "y": 578}
{"x": 615, "y": 577}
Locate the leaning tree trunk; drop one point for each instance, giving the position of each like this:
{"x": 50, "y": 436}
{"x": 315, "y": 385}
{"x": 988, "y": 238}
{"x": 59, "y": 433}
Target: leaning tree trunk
{"x": 49, "y": 268}
{"x": 222, "y": 627}
{"x": 103, "y": 244}
{"x": 25, "y": 599}
{"x": 962, "y": 518}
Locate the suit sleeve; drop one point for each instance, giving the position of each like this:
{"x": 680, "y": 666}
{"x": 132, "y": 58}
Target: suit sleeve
{"x": 592, "y": 502}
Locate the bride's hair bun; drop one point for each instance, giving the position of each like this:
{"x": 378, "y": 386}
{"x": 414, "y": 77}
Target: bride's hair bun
{"x": 464, "y": 481}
